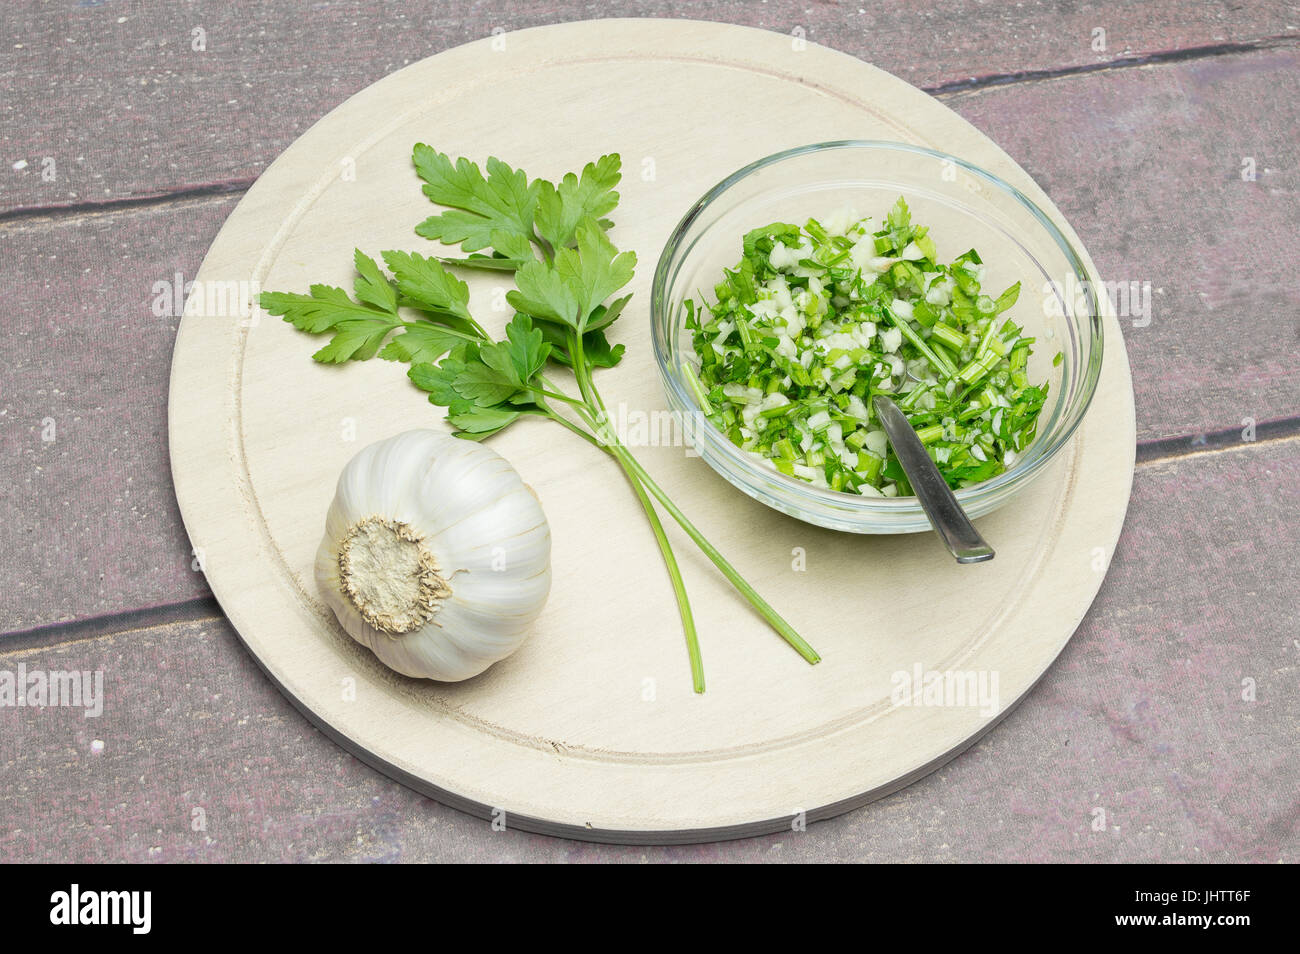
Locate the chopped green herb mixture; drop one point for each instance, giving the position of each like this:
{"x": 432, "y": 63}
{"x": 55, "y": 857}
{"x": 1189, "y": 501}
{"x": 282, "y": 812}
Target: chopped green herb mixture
{"x": 815, "y": 321}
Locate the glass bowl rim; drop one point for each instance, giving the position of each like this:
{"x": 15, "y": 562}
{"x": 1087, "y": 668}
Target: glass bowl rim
{"x": 1019, "y": 472}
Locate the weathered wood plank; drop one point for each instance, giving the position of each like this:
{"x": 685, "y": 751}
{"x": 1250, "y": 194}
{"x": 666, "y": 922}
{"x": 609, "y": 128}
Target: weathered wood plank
{"x": 1142, "y": 717}
{"x": 1180, "y": 189}
{"x": 90, "y": 523}
{"x": 123, "y": 104}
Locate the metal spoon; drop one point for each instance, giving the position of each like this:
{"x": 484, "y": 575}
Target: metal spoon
{"x": 946, "y": 515}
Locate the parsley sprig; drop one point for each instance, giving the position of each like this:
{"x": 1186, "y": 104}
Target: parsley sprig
{"x": 554, "y": 238}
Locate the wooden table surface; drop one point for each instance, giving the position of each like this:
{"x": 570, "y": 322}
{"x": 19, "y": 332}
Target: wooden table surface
{"x": 1168, "y": 730}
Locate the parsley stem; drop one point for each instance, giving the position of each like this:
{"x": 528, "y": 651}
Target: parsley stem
{"x": 480, "y": 335}
{"x": 555, "y": 395}
{"x": 596, "y": 418}
{"x": 777, "y": 622}
{"x": 548, "y": 252}
{"x": 665, "y": 548}
{"x": 697, "y": 388}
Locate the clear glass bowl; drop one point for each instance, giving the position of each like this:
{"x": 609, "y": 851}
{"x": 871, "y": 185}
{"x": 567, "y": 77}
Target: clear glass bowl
{"x": 965, "y": 207}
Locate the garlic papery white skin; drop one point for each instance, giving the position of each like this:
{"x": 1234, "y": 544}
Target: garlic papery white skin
{"x": 436, "y": 556}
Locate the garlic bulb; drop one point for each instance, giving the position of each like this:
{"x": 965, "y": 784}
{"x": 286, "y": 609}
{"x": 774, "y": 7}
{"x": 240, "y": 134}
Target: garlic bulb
{"x": 436, "y": 555}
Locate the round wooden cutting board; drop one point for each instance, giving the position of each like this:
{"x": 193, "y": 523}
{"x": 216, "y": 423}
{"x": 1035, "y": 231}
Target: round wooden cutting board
{"x": 591, "y": 730}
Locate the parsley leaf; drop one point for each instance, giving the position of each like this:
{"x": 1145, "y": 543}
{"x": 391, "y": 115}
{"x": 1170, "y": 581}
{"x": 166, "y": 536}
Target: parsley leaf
{"x": 503, "y": 202}
{"x": 595, "y": 270}
{"x": 900, "y": 216}
{"x": 543, "y": 293}
{"x": 475, "y": 423}
{"x": 570, "y": 289}
{"x": 439, "y": 379}
{"x": 1007, "y": 298}
{"x": 420, "y": 342}
{"x": 596, "y": 347}
{"x": 355, "y": 340}
{"x": 484, "y": 384}
{"x": 514, "y": 246}
{"x": 763, "y": 240}
{"x": 359, "y": 327}
{"x": 486, "y": 374}
{"x": 525, "y": 348}
{"x": 598, "y": 351}
{"x": 371, "y": 285}
{"x": 562, "y": 208}
{"x": 487, "y": 263}
{"x": 427, "y": 285}
{"x": 603, "y": 315}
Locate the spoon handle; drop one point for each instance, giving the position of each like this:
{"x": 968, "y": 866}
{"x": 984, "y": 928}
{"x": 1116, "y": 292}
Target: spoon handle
{"x": 946, "y": 515}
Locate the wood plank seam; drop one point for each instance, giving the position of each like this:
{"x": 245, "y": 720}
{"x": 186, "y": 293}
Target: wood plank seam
{"x": 993, "y": 80}
{"x": 942, "y": 90}
{"x": 87, "y": 628}
{"x": 219, "y": 189}
{"x": 1227, "y": 439}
